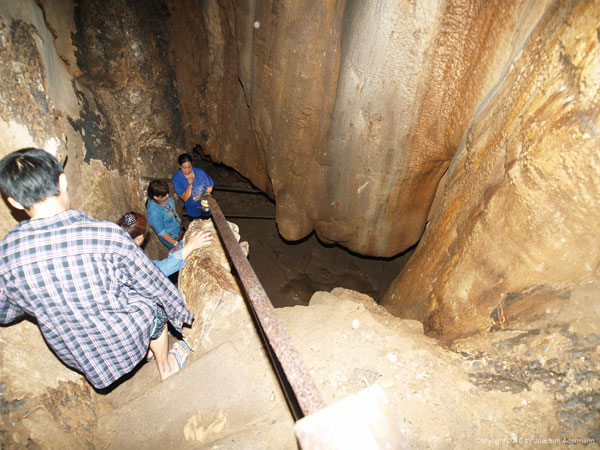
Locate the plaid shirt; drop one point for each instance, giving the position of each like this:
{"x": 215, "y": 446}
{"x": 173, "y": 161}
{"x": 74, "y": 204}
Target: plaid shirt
{"x": 92, "y": 290}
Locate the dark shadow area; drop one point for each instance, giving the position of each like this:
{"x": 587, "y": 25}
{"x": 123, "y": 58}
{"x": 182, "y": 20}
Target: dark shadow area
{"x": 292, "y": 271}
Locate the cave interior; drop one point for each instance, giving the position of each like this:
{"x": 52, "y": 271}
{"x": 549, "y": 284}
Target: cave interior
{"x": 417, "y": 183}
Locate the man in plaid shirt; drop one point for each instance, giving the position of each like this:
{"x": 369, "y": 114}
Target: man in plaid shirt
{"x": 99, "y": 301}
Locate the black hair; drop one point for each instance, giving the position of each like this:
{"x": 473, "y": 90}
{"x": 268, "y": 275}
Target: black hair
{"x": 157, "y": 188}
{"x": 30, "y": 175}
{"x": 183, "y": 158}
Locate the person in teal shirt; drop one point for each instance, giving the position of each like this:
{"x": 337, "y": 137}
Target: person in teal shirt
{"x": 160, "y": 212}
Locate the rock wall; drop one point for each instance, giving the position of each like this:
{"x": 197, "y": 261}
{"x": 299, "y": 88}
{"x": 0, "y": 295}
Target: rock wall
{"x": 347, "y": 112}
{"x": 515, "y": 231}
{"x": 368, "y": 122}
{"x": 38, "y": 103}
{"x": 42, "y": 401}
{"x": 89, "y": 83}
{"x": 374, "y": 122}
{"x": 122, "y": 56}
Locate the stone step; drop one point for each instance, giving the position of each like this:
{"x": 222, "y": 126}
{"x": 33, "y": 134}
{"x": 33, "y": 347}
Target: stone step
{"x": 217, "y": 398}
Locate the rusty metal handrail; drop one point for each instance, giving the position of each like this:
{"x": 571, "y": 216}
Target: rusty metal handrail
{"x": 216, "y": 187}
{"x": 275, "y": 337}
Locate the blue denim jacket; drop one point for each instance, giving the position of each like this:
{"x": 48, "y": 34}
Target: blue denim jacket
{"x": 171, "y": 263}
{"x": 164, "y": 219}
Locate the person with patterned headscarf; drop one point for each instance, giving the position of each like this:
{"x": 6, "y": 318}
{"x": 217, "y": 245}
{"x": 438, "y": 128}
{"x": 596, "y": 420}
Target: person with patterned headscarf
{"x": 136, "y": 225}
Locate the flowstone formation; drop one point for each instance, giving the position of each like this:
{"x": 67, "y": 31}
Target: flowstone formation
{"x": 463, "y": 129}
{"x": 347, "y": 113}
{"x": 514, "y": 234}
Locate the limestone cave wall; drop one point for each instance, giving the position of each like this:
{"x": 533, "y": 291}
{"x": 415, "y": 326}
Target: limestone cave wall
{"x": 360, "y": 119}
{"x": 347, "y": 112}
{"x": 90, "y": 81}
{"x": 514, "y": 235}
{"x": 372, "y": 123}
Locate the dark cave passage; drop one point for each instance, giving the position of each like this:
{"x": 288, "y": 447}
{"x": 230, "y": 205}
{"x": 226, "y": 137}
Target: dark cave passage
{"x": 291, "y": 272}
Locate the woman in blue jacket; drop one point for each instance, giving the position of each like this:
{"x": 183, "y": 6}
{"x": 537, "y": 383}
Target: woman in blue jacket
{"x": 190, "y": 183}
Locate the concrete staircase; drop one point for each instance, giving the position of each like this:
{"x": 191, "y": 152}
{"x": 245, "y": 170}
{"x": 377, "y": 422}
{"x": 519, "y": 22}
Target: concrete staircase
{"x": 216, "y": 401}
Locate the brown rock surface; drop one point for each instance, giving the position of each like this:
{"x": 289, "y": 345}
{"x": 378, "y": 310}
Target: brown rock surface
{"x": 348, "y": 114}
{"x": 43, "y": 401}
{"x": 534, "y": 383}
{"x": 515, "y": 230}
{"x": 431, "y": 390}
{"x": 65, "y": 90}
{"x": 211, "y": 291}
